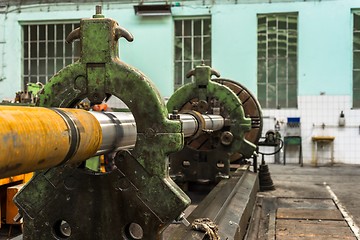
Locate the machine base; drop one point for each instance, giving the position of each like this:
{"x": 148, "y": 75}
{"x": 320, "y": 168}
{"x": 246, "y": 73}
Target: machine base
{"x": 229, "y": 205}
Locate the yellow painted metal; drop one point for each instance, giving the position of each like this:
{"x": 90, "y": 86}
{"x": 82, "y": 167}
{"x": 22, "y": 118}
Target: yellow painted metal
{"x": 38, "y": 138}
{"x": 17, "y": 178}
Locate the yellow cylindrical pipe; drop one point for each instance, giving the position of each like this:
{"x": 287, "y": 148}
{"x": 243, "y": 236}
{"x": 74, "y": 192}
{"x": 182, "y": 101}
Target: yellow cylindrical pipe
{"x": 38, "y": 138}
{"x": 35, "y": 138}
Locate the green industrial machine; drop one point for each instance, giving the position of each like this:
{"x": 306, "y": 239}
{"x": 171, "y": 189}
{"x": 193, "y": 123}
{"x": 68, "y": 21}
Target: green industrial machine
{"x": 59, "y": 203}
{"x": 206, "y": 157}
{"x": 206, "y": 125}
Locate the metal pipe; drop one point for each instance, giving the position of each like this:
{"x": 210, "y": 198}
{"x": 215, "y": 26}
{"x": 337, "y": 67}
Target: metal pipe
{"x": 38, "y": 138}
{"x": 35, "y": 138}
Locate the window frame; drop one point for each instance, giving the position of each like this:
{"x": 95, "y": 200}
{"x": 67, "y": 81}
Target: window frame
{"x": 43, "y": 74}
{"x": 205, "y": 35}
{"x": 271, "y": 77}
{"x": 355, "y": 80}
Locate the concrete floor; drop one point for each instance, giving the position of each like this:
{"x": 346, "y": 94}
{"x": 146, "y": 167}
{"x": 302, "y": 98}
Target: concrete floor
{"x": 308, "y": 182}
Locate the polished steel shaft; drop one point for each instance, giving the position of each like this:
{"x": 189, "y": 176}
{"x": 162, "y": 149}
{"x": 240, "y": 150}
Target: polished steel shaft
{"x": 193, "y": 123}
{"x": 118, "y": 131}
{"x": 34, "y": 138}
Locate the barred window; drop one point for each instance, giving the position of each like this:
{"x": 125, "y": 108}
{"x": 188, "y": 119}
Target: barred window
{"x": 192, "y": 46}
{"x": 277, "y": 60}
{"x": 45, "y": 51}
{"x": 356, "y": 61}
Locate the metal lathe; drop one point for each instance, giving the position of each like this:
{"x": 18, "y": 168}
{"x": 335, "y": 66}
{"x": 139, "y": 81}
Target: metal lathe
{"x": 203, "y": 136}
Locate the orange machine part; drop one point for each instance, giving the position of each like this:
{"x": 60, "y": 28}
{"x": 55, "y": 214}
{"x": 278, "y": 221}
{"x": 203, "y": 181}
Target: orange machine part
{"x": 33, "y": 138}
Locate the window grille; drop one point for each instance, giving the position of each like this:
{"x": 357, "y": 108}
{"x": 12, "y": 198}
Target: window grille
{"x": 192, "y": 46}
{"x": 277, "y": 60}
{"x": 356, "y": 61}
{"x": 45, "y": 51}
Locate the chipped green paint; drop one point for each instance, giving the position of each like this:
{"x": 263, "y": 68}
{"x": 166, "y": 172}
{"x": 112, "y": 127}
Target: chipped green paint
{"x": 203, "y": 88}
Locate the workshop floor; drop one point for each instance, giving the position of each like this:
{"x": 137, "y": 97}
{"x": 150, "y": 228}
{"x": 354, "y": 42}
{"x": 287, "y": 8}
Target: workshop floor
{"x": 308, "y": 182}
{"x": 312, "y": 203}
{"x": 307, "y": 187}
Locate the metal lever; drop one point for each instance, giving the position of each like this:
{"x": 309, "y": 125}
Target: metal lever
{"x": 122, "y": 32}
{"x": 75, "y": 34}
{"x": 213, "y": 72}
{"x": 119, "y": 31}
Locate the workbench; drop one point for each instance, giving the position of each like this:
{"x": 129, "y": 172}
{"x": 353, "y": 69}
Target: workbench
{"x": 322, "y": 140}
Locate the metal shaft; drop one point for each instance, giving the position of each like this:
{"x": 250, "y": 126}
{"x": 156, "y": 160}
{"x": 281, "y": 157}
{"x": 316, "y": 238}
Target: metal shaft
{"x": 193, "y": 123}
{"x": 34, "y": 138}
{"x": 118, "y": 131}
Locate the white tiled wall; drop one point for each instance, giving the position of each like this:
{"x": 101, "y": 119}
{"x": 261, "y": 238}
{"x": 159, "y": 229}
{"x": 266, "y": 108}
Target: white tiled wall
{"x": 315, "y": 111}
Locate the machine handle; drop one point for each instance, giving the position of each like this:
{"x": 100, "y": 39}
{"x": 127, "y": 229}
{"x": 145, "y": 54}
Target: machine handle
{"x": 122, "y": 32}
{"x": 119, "y": 32}
{"x": 213, "y": 72}
{"x": 75, "y": 34}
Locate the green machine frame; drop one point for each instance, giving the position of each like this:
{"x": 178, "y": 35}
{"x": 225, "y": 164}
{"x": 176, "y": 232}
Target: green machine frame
{"x": 138, "y": 199}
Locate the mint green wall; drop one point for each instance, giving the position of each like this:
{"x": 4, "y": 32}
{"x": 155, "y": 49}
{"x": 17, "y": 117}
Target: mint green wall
{"x": 10, "y": 57}
{"x": 325, "y": 48}
{"x": 325, "y": 42}
{"x": 11, "y": 67}
{"x": 151, "y": 51}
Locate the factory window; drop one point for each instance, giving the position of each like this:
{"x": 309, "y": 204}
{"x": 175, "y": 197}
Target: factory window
{"x": 192, "y": 46}
{"x": 45, "y": 51}
{"x": 356, "y": 61}
{"x": 277, "y": 60}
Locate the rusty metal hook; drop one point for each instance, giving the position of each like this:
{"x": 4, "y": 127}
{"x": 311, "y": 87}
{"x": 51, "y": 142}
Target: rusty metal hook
{"x": 122, "y": 32}
{"x": 213, "y": 72}
{"x": 75, "y": 34}
{"x": 190, "y": 73}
